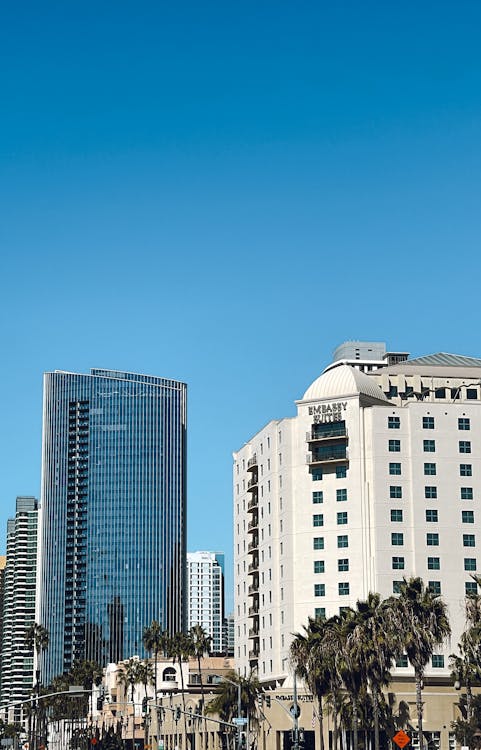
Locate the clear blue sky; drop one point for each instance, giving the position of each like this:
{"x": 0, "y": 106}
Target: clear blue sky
{"x": 223, "y": 192}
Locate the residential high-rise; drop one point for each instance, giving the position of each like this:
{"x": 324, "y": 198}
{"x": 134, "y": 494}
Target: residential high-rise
{"x": 112, "y": 520}
{"x": 377, "y": 477}
{"x": 205, "y": 581}
{"x": 18, "y": 611}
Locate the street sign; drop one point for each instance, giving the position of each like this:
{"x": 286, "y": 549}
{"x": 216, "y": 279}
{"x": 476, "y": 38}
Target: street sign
{"x": 401, "y": 739}
{"x": 239, "y": 720}
{"x": 8, "y": 742}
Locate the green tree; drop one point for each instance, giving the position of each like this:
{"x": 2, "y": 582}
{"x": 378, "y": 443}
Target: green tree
{"x": 129, "y": 676}
{"x": 36, "y": 639}
{"x": 179, "y": 649}
{"x": 419, "y": 619}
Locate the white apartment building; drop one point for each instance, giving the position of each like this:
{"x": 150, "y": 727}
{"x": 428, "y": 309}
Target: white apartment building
{"x": 377, "y": 477}
{"x": 205, "y": 587}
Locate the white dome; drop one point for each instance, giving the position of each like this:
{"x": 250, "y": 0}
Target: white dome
{"x": 342, "y": 381}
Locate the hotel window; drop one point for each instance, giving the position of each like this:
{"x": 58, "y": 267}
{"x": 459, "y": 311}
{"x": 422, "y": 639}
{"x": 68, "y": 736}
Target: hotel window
{"x": 316, "y": 475}
{"x": 465, "y": 470}
{"x": 432, "y": 540}
{"x": 395, "y": 491}
{"x": 429, "y": 446}
{"x": 318, "y": 542}
{"x": 396, "y": 587}
{"x": 471, "y": 393}
{"x": 397, "y": 539}
{"x": 398, "y": 563}
{"x": 319, "y": 566}
{"x": 393, "y": 391}
{"x": 435, "y": 587}
{"x": 395, "y": 468}
{"x": 430, "y": 492}
{"x": 437, "y": 661}
{"x": 465, "y": 446}
{"x": 393, "y": 423}
{"x": 432, "y": 516}
{"x": 317, "y": 496}
{"x": 341, "y": 495}
{"x": 394, "y": 446}
{"x": 469, "y": 563}
{"x": 341, "y": 472}
{"x": 342, "y": 541}
{"x": 320, "y": 613}
{"x": 342, "y": 518}
{"x": 467, "y": 516}
{"x": 428, "y": 423}
{"x": 318, "y": 519}
{"x": 463, "y": 423}
{"x": 429, "y": 469}
{"x": 469, "y": 540}
{"x": 402, "y": 661}
{"x": 466, "y": 493}
{"x": 343, "y": 589}
{"x": 396, "y": 515}
{"x": 343, "y": 565}
{"x": 434, "y": 563}
{"x": 319, "y": 589}
{"x": 471, "y": 588}
{"x": 440, "y": 393}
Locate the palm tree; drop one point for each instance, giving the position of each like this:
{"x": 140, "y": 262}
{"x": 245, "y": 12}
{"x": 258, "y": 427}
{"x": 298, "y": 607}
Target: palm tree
{"x": 200, "y": 643}
{"x": 36, "y": 638}
{"x": 225, "y": 703}
{"x": 145, "y": 674}
{"x": 419, "y": 618}
{"x": 129, "y": 676}
{"x": 348, "y": 661}
{"x": 376, "y": 649}
{"x": 155, "y": 641}
{"x": 179, "y": 650}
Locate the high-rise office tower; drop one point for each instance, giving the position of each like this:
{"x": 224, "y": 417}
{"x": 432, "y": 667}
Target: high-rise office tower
{"x": 377, "y": 477}
{"x": 18, "y": 611}
{"x": 205, "y": 580}
{"x": 112, "y": 520}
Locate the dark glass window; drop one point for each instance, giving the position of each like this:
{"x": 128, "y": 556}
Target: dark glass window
{"x": 429, "y": 469}
{"x": 432, "y": 516}
{"x": 430, "y": 492}
{"x": 428, "y": 423}
{"x": 465, "y": 470}
{"x": 318, "y": 542}
{"x": 464, "y": 423}
{"x": 396, "y": 514}
{"x": 393, "y": 423}
{"x": 394, "y": 446}
{"x": 395, "y": 491}
{"x": 434, "y": 563}
{"x": 465, "y": 446}
{"x": 395, "y": 468}
{"x": 429, "y": 446}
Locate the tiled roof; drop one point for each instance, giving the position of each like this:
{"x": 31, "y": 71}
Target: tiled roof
{"x": 445, "y": 359}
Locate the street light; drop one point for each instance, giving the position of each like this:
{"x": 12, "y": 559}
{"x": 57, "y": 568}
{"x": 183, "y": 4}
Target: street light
{"x": 239, "y": 707}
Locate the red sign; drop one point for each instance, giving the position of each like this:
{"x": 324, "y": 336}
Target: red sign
{"x": 93, "y": 741}
{"x": 401, "y": 739}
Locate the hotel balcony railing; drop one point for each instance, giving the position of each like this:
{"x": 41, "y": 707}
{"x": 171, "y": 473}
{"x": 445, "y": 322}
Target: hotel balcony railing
{"x": 328, "y": 454}
{"x": 253, "y": 545}
{"x": 252, "y": 525}
{"x": 253, "y": 567}
{"x": 253, "y": 503}
{"x": 318, "y": 435}
{"x": 253, "y": 633}
{"x": 253, "y": 589}
{"x": 254, "y": 654}
{"x": 253, "y": 482}
{"x": 254, "y": 610}
{"x": 252, "y": 463}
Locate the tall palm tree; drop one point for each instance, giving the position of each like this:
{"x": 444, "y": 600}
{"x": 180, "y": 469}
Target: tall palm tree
{"x": 36, "y": 638}
{"x": 376, "y": 650}
{"x": 155, "y": 641}
{"x": 179, "y": 650}
{"x": 200, "y": 643}
{"x": 129, "y": 676}
{"x": 348, "y": 661}
{"x": 419, "y": 618}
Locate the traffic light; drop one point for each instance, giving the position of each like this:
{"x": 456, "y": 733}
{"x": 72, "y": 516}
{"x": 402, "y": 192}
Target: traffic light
{"x": 243, "y": 740}
{"x": 177, "y": 713}
{"x": 268, "y": 701}
{"x": 144, "y": 705}
{"x": 260, "y": 700}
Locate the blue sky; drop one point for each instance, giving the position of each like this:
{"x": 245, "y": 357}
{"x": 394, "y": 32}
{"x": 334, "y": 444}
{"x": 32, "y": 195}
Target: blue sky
{"x": 223, "y": 192}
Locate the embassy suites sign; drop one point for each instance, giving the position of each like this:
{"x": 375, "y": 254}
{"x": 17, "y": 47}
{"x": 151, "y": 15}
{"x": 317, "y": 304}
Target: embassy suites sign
{"x": 328, "y": 412}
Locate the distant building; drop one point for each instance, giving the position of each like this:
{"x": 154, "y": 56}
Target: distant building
{"x": 205, "y": 585}
{"x": 229, "y": 634}
{"x": 113, "y": 507}
{"x": 378, "y": 476}
{"x": 18, "y": 606}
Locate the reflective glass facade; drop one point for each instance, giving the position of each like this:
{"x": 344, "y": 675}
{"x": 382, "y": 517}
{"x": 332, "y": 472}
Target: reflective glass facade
{"x": 112, "y": 521}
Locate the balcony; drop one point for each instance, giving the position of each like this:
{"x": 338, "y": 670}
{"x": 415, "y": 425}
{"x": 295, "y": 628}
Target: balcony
{"x": 254, "y": 654}
{"x": 254, "y": 524}
{"x": 328, "y": 454}
{"x": 253, "y": 546}
{"x": 253, "y": 588}
{"x": 252, "y": 463}
{"x": 253, "y": 633}
{"x": 324, "y": 432}
{"x": 254, "y": 610}
{"x": 253, "y": 503}
{"x": 254, "y": 566}
{"x": 252, "y": 483}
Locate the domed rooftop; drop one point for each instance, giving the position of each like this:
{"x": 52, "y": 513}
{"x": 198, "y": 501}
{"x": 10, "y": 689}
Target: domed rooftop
{"x": 342, "y": 381}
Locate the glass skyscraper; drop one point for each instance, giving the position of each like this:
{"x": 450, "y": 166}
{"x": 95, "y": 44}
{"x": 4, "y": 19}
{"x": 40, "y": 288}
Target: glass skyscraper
{"x": 112, "y": 520}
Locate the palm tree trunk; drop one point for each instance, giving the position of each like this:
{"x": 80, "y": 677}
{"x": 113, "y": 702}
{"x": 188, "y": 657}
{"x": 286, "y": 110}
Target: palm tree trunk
{"x": 202, "y": 700}
{"x": 334, "y": 724}
{"x": 354, "y": 722}
{"x": 321, "y": 722}
{"x": 419, "y": 709}
{"x": 156, "y": 654}
{"x": 469, "y": 701}
{"x": 183, "y": 700}
{"x": 375, "y": 707}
